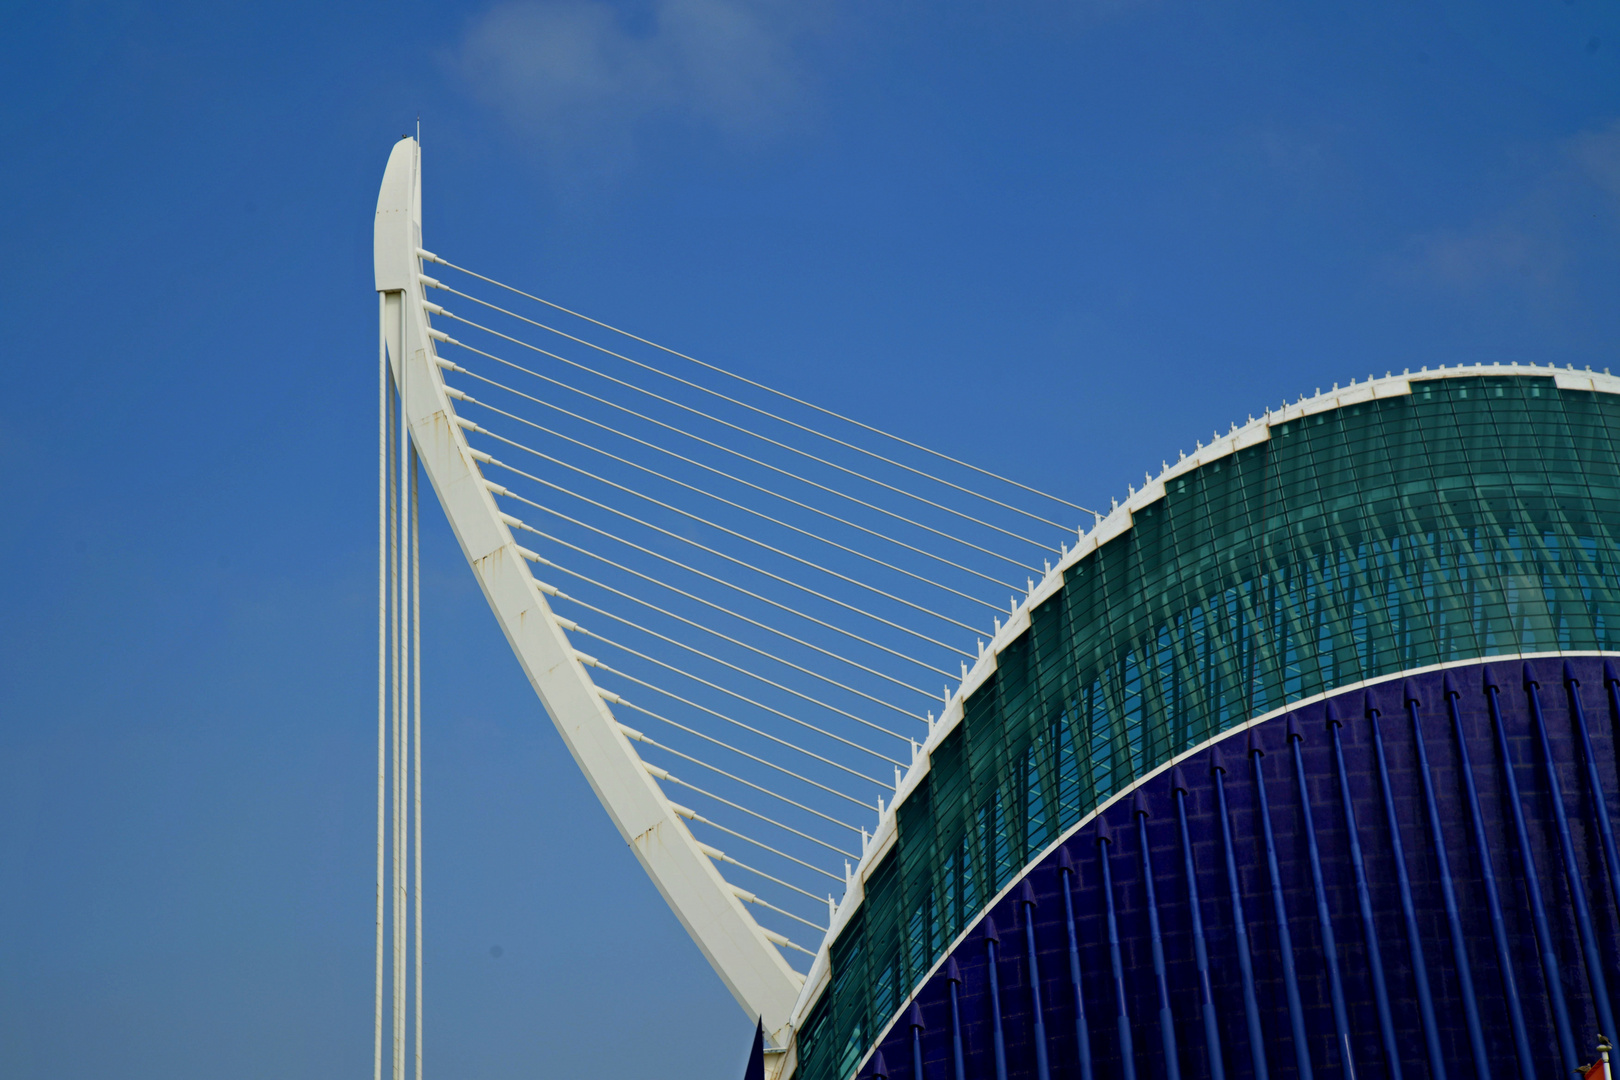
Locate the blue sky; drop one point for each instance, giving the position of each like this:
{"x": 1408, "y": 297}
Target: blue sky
{"x": 1062, "y": 240}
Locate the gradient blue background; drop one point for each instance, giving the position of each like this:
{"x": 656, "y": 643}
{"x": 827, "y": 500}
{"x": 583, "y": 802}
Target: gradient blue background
{"x": 1060, "y": 239}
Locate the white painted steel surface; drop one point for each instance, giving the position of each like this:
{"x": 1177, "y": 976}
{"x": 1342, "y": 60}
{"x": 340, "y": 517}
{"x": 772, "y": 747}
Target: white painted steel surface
{"x": 741, "y": 952}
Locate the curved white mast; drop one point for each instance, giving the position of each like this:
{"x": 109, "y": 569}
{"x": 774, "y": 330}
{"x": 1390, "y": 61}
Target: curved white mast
{"x": 741, "y": 952}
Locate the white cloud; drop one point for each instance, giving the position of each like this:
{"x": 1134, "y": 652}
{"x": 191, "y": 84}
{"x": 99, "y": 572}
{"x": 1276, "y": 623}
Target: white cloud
{"x": 1598, "y": 155}
{"x": 1487, "y": 253}
{"x": 584, "y": 79}
{"x": 1535, "y": 241}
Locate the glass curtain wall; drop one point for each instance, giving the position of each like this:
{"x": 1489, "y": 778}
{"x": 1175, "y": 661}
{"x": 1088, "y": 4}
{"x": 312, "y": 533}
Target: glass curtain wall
{"x": 1476, "y": 516}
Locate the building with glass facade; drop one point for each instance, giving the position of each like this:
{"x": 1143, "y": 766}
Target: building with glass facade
{"x": 1301, "y": 762}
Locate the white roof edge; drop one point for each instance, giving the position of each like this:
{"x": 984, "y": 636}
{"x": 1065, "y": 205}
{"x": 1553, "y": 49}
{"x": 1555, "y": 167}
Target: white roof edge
{"x": 1118, "y": 522}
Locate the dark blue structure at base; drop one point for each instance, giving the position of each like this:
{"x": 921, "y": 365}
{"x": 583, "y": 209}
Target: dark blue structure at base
{"x": 1480, "y": 936}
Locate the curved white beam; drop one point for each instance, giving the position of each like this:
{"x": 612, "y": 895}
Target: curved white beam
{"x": 705, "y": 903}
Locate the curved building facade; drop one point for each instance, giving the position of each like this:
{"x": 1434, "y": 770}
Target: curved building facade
{"x": 1302, "y": 761}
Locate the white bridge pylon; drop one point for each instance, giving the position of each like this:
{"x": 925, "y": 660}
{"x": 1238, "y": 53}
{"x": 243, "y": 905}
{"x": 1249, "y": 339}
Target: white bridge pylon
{"x": 768, "y": 613}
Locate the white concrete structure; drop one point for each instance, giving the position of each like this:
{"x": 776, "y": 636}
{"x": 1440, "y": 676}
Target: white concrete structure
{"x": 744, "y": 954}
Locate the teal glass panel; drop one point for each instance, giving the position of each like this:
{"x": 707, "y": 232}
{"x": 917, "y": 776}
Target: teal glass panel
{"x": 1475, "y": 516}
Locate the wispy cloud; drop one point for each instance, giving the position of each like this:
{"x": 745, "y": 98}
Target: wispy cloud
{"x": 1533, "y": 241}
{"x": 585, "y": 78}
{"x": 1597, "y": 153}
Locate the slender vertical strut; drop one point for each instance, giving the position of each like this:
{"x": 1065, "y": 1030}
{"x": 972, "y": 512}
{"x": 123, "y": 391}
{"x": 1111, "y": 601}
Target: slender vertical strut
{"x": 1594, "y": 784}
{"x": 416, "y": 744}
{"x": 382, "y": 656}
{"x": 1330, "y": 945}
{"x": 992, "y": 958}
{"x": 1082, "y": 1033}
{"x": 1167, "y": 1022}
{"x": 1285, "y": 939}
{"x": 1551, "y": 969}
{"x": 1240, "y": 928}
{"x": 1572, "y": 872}
{"x": 953, "y": 982}
{"x": 1127, "y": 1052}
{"x": 1206, "y": 995}
{"x": 396, "y": 722}
{"x": 1037, "y": 1013}
{"x": 1414, "y": 943}
{"x": 1487, "y": 871}
{"x": 1369, "y": 929}
{"x": 1448, "y": 892}
{"x": 916, "y": 1022}
{"x": 1599, "y": 796}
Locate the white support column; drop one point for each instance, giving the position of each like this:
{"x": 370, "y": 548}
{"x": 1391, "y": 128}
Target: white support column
{"x": 382, "y": 659}
{"x": 416, "y": 748}
{"x": 397, "y": 521}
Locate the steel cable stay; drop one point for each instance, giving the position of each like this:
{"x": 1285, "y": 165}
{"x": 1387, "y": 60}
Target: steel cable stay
{"x": 713, "y": 768}
{"x": 745, "y": 431}
{"x": 738, "y": 750}
{"x": 721, "y": 716}
{"x": 704, "y": 521}
{"x": 904, "y": 739}
{"x": 643, "y": 737}
{"x": 772, "y": 878}
{"x": 692, "y": 815}
{"x": 526, "y": 527}
{"x": 709, "y": 494}
{"x": 734, "y": 667}
{"x": 751, "y": 898}
{"x": 723, "y": 637}
{"x": 739, "y": 454}
{"x": 626, "y": 515}
{"x": 457, "y": 368}
{"x": 543, "y": 561}
{"x": 762, "y": 412}
{"x": 665, "y": 774}
{"x": 770, "y": 389}
{"x": 718, "y": 554}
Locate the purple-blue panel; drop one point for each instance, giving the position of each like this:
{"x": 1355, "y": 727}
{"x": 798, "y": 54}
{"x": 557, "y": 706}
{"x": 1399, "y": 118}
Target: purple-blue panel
{"x": 1581, "y": 936}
